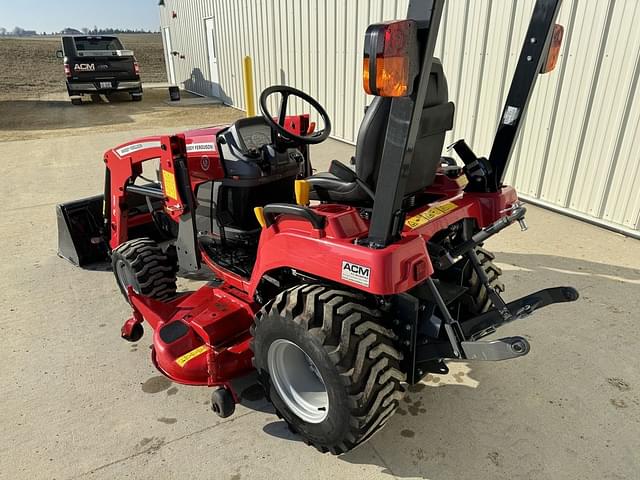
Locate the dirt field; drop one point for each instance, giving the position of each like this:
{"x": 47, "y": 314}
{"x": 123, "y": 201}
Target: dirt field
{"x": 30, "y": 68}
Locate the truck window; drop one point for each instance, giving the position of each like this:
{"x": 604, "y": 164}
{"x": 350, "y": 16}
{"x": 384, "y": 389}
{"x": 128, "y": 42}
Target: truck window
{"x": 97, "y": 43}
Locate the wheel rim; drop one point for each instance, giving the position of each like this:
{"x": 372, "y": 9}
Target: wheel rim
{"x": 125, "y": 276}
{"x": 297, "y": 380}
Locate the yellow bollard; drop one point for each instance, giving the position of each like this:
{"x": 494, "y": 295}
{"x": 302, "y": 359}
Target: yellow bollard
{"x": 248, "y": 87}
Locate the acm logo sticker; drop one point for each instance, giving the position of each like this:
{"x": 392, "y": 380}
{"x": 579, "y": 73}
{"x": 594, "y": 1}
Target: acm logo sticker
{"x": 352, "y": 272}
{"x": 85, "y": 67}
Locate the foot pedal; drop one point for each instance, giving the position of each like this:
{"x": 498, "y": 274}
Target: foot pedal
{"x": 495, "y": 350}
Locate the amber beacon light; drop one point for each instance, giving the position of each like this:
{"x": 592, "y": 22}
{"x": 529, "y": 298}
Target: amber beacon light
{"x": 554, "y": 49}
{"x": 390, "y": 58}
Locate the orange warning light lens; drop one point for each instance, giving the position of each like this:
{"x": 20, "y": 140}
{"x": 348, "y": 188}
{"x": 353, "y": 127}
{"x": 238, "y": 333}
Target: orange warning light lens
{"x": 554, "y": 49}
{"x": 390, "y": 58}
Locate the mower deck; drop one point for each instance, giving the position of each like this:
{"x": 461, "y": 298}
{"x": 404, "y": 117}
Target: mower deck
{"x": 201, "y": 338}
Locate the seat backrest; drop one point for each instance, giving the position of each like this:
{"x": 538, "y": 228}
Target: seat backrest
{"x": 436, "y": 119}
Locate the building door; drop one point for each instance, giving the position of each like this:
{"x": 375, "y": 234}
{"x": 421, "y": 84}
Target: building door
{"x": 213, "y": 60}
{"x": 168, "y": 55}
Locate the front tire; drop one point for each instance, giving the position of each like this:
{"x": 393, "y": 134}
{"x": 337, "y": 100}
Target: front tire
{"x": 329, "y": 365}
{"x": 143, "y": 265}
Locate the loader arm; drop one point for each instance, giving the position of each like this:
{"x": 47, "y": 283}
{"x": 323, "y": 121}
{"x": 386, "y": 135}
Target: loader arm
{"x": 124, "y": 164}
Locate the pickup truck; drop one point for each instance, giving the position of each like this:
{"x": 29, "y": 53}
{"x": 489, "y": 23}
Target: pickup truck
{"x": 99, "y": 64}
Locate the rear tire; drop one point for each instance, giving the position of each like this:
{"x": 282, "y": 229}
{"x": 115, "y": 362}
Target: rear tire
{"x": 141, "y": 264}
{"x": 136, "y": 97}
{"x": 476, "y": 299}
{"x": 334, "y": 336}
{"x": 76, "y": 101}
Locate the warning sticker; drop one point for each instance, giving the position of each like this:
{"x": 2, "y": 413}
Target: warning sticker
{"x": 196, "y": 352}
{"x": 430, "y": 214}
{"x": 169, "y": 180}
{"x": 352, "y": 272}
{"x": 511, "y": 114}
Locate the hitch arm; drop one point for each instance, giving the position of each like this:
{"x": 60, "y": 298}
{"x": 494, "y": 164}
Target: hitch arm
{"x": 487, "y": 323}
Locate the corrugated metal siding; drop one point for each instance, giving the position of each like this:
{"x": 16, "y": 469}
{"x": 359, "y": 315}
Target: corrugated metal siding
{"x": 577, "y": 148}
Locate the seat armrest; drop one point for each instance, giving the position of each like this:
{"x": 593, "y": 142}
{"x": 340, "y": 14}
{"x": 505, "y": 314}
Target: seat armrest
{"x": 341, "y": 171}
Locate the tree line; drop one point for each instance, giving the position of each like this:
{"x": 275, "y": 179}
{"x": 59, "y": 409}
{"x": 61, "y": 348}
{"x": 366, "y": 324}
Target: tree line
{"x": 23, "y": 32}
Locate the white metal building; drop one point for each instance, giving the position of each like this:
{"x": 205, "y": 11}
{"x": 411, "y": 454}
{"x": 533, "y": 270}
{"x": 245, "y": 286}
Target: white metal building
{"x": 578, "y": 152}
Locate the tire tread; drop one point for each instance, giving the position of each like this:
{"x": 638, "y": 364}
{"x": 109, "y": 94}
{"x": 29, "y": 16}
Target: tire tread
{"x": 359, "y": 345}
{"x": 154, "y": 270}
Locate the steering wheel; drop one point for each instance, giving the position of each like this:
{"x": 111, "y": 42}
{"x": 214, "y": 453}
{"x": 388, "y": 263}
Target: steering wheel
{"x": 286, "y": 92}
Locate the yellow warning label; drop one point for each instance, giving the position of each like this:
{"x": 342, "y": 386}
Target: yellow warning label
{"x": 462, "y": 181}
{"x": 196, "y": 352}
{"x": 430, "y": 214}
{"x": 169, "y": 180}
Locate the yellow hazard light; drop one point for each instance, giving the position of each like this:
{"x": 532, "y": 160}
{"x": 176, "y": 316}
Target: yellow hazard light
{"x": 554, "y": 49}
{"x": 390, "y": 58}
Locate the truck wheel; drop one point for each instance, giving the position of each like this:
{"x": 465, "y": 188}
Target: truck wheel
{"x": 142, "y": 264}
{"x": 475, "y": 300}
{"x": 76, "y": 101}
{"x": 136, "y": 97}
{"x": 328, "y": 364}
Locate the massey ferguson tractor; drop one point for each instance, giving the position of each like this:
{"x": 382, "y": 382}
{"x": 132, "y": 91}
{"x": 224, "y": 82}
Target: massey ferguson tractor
{"x": 339, "y": 288}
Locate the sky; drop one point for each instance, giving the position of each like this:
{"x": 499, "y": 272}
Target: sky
{"x": 54, "y": 15}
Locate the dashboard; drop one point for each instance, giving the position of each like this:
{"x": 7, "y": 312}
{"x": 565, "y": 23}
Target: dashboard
{"x": 254, "y": 133}
{"x": 247, "y": 152}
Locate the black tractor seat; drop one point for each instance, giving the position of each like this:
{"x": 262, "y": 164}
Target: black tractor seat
{"x": 436, "y": 120}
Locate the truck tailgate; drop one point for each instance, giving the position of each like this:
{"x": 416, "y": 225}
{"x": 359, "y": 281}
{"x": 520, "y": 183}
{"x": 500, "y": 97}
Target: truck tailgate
{"x": 103, "y": 68}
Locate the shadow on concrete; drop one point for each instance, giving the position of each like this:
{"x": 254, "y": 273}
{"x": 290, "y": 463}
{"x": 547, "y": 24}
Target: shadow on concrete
{"x": 279, "y": 429}
{"x": 199, "y": 84}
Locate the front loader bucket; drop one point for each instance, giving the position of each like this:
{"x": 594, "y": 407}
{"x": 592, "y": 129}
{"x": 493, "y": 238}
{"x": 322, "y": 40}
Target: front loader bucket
{"x": 80, "y": 225}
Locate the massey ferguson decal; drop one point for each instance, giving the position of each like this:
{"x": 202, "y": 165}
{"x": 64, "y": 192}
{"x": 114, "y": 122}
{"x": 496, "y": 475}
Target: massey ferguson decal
{"x": 352, "y": 272}
{"x": 201, "y": 147}
{"x": 134, "y": 147}
{"x": 85, "y": 67}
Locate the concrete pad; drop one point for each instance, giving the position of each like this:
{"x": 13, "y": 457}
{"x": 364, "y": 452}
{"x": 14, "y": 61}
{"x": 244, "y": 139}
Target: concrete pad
{"x": 78, "y": 402}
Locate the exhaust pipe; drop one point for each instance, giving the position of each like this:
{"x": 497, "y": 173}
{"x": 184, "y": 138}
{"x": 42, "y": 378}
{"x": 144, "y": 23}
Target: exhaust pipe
{"x": 80, "y": 231}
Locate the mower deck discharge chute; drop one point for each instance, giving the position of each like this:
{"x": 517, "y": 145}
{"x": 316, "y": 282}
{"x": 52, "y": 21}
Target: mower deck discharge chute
{"x": 338, "y": 287}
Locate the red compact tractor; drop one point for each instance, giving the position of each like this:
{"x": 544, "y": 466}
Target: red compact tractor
{"x": 339, "y": 287}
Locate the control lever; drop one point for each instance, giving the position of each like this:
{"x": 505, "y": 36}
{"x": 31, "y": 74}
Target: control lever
{"x": 477, "y": 169}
